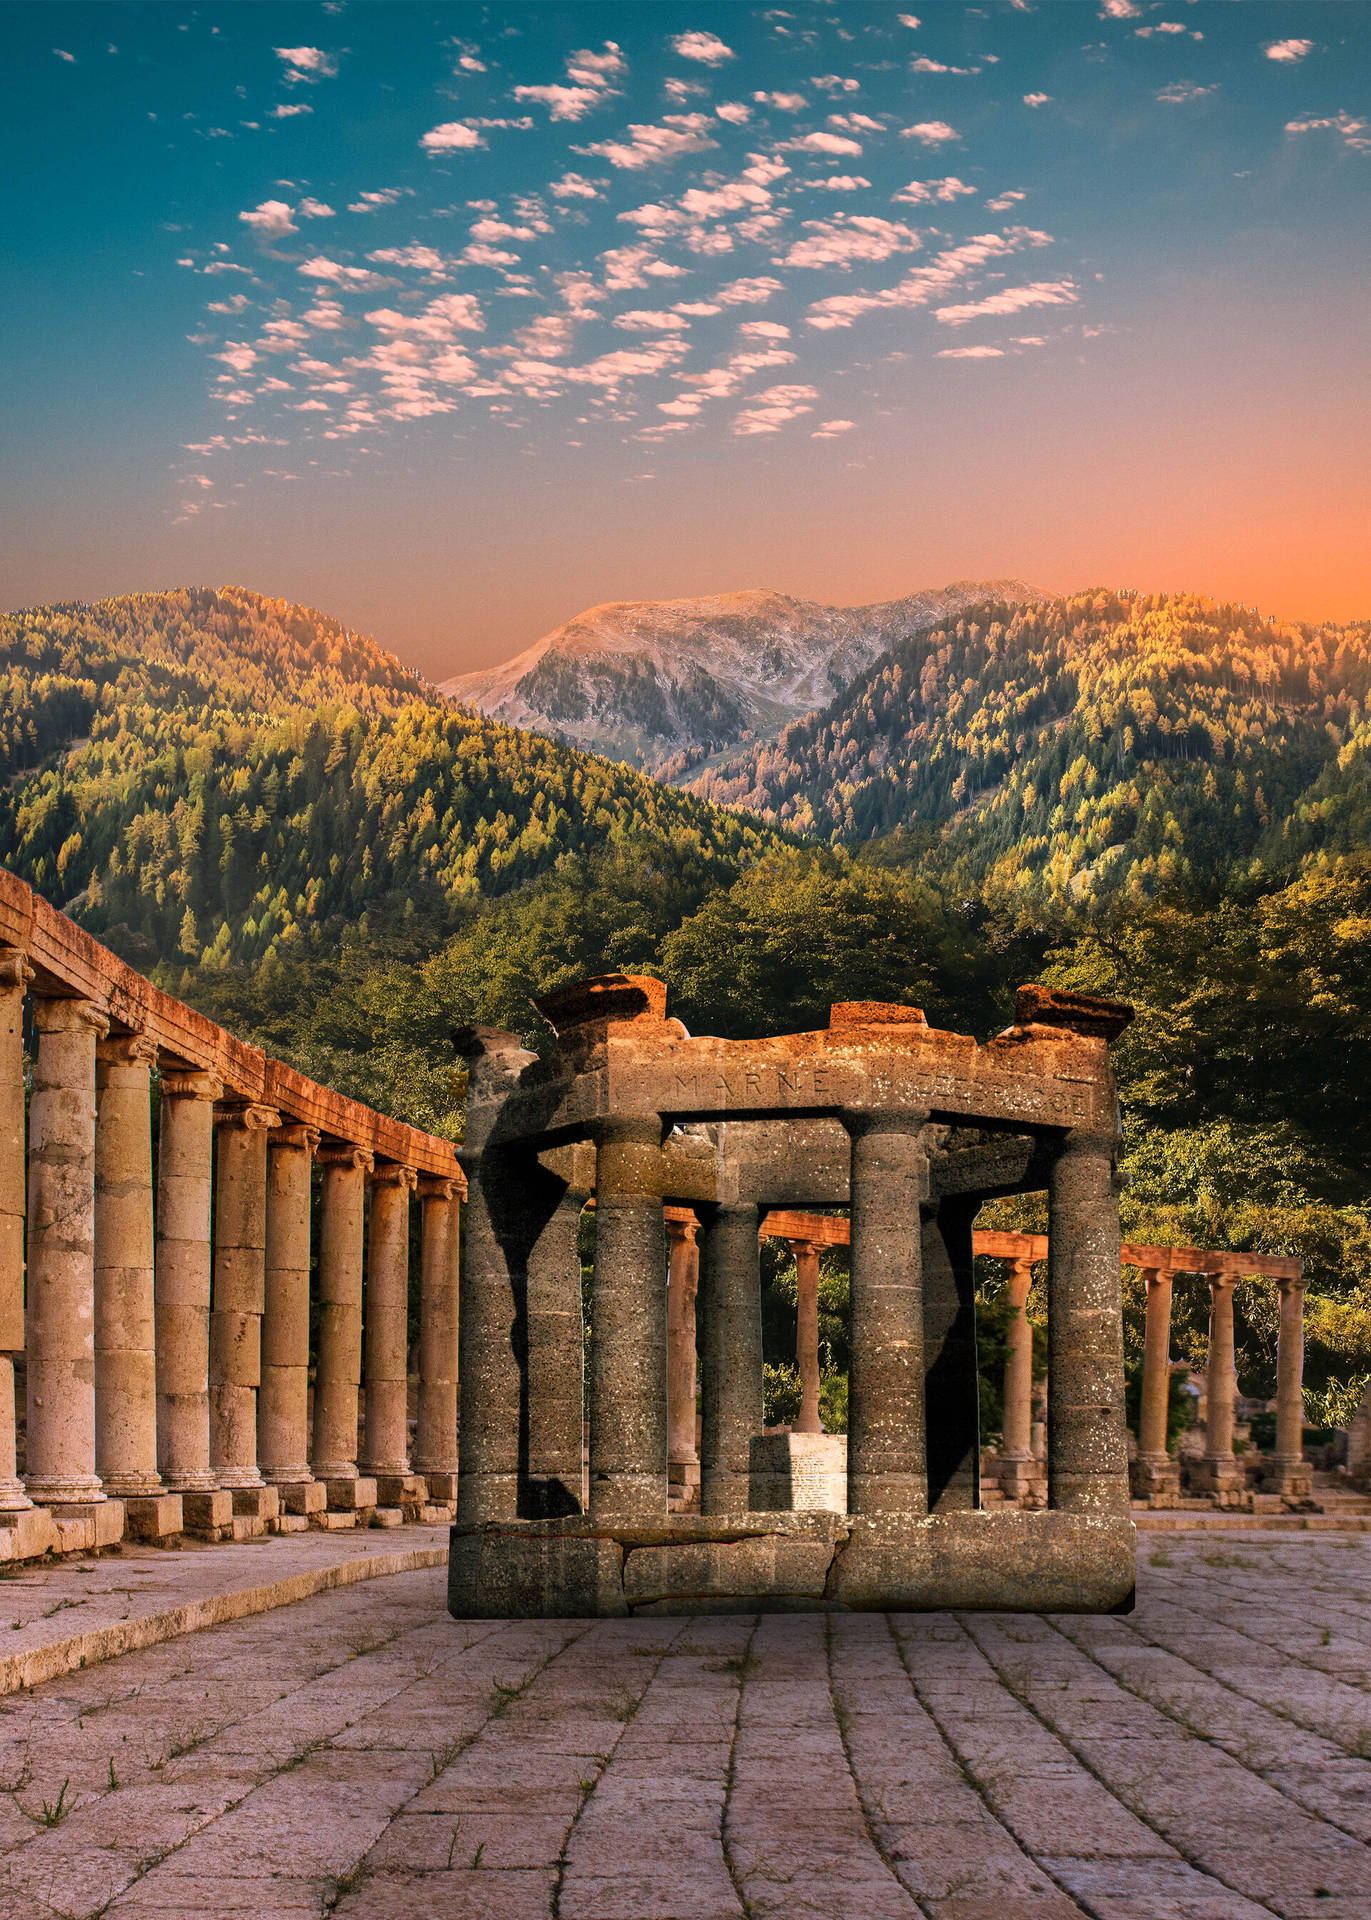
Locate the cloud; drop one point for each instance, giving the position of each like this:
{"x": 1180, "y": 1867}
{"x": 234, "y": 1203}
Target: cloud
{"x": 910, "y": 20}
{"x": 919, "y": 191}
{"x": 453, "y": 136}
{"x": 423, "y": 259}
{"x": 272, "y": 219}
{"x": 1119, "y": 10}
{"x": 783, "y": 102}
{"x": 574, "y": 186}
{"x": 834, "y": 83}
{"x": 315, "y": 210}
{"x": 373, "y": 201}
{"x": 1355, "y": 134}
{"x": 646, "y": 320}
{"x": 1288, "y": 50}
{"x": 628, "y": 267}
{"x": 707, "y": 48}
{"x": 773, "y": 408}
{"x": 970, "y": 353}
{"x": 307, "y": 63}
{"x": 736, "y": 112}
{"x": 931, "y": 133}
{"x": 840, "y": 183}
{"x": 1164, "y": 26}
{"x": 1036, "y": 99}
{"x": 287, "y": 110}
{"x": 1004, "y": 201}
{"x": 62, "y": 54}
{"x": 332, "y": 272}
{"x": 653, "y": 145}
{"x": 450, "y": 313}
{"x": 848, "y": 237}
{"x": 591, "y": 76}
{"x": 238, "y": 355}
{"x": 1181, "y": 91}
{"x": 743, "y": 293}
{"x": 925, "y": 284}
{"x": 1040, "y": 293}
{"x": 830, "y": 429}
{"x": 824, "y": 143}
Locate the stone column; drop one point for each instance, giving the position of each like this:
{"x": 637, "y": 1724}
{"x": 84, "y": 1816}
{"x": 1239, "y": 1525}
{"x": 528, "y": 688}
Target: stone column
{"x": 184, "y": 1194}
{"x": 1087, "y": 1441}
{"x": 386, "y": 1453}
{"x": 283, "y": 1399}
{"x": 731, "y": 1382}
{"x": 338, "y": 1370}
{"x": 554, "y": 1394}
{"x": 887, "y": 1469}
{"x": 1156, "y": 1476}
{"x": 683, "y": 1460}
{"x": 15, "y": 972}
{"x": 1019, "y": 1472}
{"x": 952, "y": 1391}
{"x": 1219, "y": 1473}
{"x": 1285, "y": 1471}
{"x": 61, "y": 1256}
{"x": 807, "y": 1334}
{"x": 628, "y": 1477}
{"x": 239, "y": 1295}
{"x": 435, "y": 1445}
{"x": 125, "y": 1322}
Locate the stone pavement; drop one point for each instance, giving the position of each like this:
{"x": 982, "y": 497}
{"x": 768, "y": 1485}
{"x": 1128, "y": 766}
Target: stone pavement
{"x": 361, "y": 1753}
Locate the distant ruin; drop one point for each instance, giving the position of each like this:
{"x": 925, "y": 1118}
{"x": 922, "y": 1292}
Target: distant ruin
{"x": 914, "y": 1130}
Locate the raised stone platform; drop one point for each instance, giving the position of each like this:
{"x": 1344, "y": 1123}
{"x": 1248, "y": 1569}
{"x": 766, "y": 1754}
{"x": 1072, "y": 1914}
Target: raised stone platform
{"x": 792, "y": 1562}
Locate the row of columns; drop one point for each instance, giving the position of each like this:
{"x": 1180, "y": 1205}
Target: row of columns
{"x": 167, "y": 1335}
{"x": 640, "y": 1391}
{"x": 1220, "y": 1472}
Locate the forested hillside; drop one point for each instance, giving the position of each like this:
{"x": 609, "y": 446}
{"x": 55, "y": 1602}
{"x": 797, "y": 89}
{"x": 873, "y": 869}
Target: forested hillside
{"x": 1090, "y": 749}
{"x": 208, "y": 776}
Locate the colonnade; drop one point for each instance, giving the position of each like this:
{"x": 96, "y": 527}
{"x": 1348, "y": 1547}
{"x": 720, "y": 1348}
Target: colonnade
{"x": 161, "y": 1302}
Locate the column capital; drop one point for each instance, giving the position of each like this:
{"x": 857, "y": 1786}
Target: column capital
{"x": 390, "y": 1173}
{"x": 682, "y": 1233}
{"x": 1292, "y": 1286}
{"x": 15, "y": 971}
{"x": 294, "y": 1133}
{"x": 434, "y": 1186}
{"x": 191, "y": 1083}
{"x": 68, "y": 1016}
{"x": 344, "y": 1154}
{"x": 250, "y": 1115}
{"x": 127, "y": 1050}
{"x": 1218, "y": 1281}
{"x": 803, "y": 1246}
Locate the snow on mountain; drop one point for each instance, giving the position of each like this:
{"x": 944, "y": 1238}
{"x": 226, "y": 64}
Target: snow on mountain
{"x": 664, "y": 683}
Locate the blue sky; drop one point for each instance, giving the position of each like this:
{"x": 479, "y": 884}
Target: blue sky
{"x": 452, "y": 318}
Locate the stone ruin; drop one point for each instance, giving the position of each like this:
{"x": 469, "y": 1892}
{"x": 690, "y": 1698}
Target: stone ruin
{"x": 913, "y": 1130}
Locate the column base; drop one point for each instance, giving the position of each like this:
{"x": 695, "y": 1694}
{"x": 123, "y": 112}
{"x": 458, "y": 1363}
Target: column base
{"x": 84, "y": 1525}
{"x": 1022, "y": 1482}
{"x": 13, "y": 1498}
{"x": 156, "y": 1516}
{"x": 1291, "y": 1479}
{"x": 303, "y": 1496}
{"x": 190, "y": 1480}
{"x": 1156, "y": 1478}
{"x": 208, "y": 1514}
{"x": 133, "y": 1486}
{"x": 287, "y": 1476}
{"x": 55, "y": 1490}
{"x": 1222, "y": 1478}
{"x": 240, "y": 1479}
{"x": 350, "y": 1495}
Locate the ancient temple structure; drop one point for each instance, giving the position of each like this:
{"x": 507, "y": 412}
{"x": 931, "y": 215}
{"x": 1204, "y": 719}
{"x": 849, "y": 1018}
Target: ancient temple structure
{"x": 911, "y": 1128}
{"x": 162, "y": 1324}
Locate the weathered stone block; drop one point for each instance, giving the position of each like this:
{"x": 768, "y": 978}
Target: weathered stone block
{"x": 153, "y": 1516}
{"x": 351, "y": 1496}
{"x": 303, "y": 1496}
{"x": 207, "y": 1512}
{"x": 28, "y": 1535}
{"x": 743, "y": 1570}
{"x": 1022, "y": 1562}
{"x": 442, "y": 1486}
{"x": 257, "y": 1503}
{"x": 499, "y": 1574}
{"x": 400, "y": 1490}
{"x": 386, "y": 1517}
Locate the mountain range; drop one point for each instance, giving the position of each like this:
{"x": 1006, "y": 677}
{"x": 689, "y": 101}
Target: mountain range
{"x": 664, "y": 684}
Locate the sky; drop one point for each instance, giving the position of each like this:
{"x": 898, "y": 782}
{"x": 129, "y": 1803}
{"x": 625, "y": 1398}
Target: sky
{"x": 455, "y": 319}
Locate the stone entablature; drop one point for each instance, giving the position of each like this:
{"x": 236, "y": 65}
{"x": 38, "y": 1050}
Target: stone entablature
{"x": 914, "y": 1130}
{"x": 164, "y": 1324}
